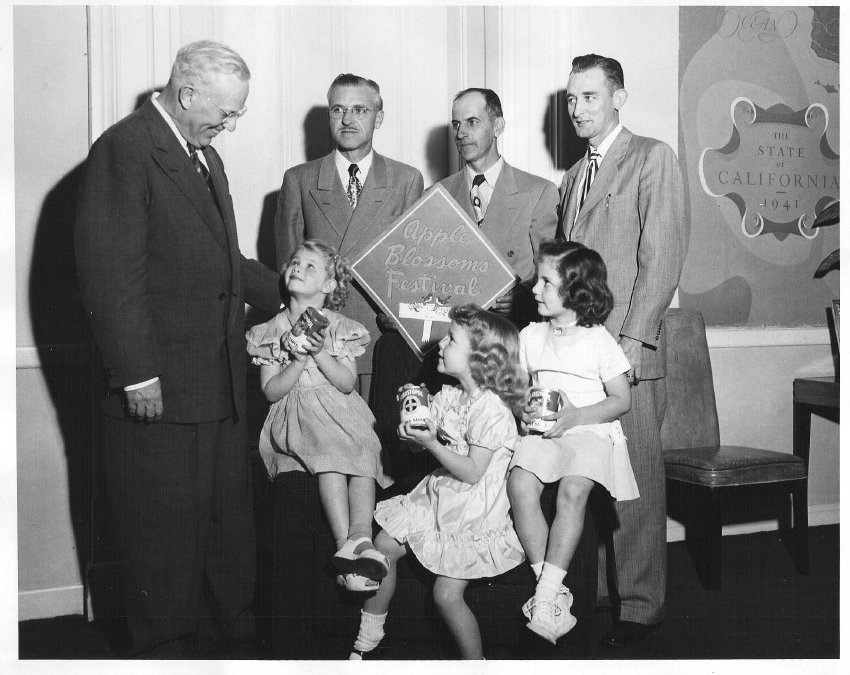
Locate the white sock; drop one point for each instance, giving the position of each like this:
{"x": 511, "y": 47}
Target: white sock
{"x": 371, "y": 631}
{"x": 537, "y": 568}
{"x": 549, "y": 583}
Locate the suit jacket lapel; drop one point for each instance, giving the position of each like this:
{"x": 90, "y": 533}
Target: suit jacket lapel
{"x": 173, "y": 160}
{"x": 219, "y": 181}
{"x": 364, "y": 224}
{"x": 605, "y": 177}
{"x": 569, "y": 202}
{"x": 504, "y": 202}
{"x": 458, "y": 188}
{"x": 329, "y": 196}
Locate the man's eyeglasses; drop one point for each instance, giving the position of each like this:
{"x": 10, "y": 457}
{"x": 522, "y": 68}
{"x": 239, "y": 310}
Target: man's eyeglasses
{"x": 226, "y": 115}
{"x": 338, "y": 112}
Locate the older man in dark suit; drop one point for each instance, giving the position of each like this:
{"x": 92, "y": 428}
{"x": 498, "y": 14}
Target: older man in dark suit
{"x": 625, "y": 199}
{"x": 165, "y": 284}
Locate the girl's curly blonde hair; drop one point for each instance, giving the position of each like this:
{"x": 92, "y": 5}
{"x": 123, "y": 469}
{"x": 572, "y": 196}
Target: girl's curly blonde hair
{"x": 494, "y": 361}
{"x": 337, "y": 268}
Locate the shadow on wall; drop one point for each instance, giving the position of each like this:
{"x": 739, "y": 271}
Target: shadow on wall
{"x": 439, "y": 151}
{"x": 61, "y": 332}
{"x": 564, "y": 146}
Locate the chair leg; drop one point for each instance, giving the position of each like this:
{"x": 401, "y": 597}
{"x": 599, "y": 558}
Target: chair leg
{"x": 799, "y": 497}
{"x": 713, "y": 539}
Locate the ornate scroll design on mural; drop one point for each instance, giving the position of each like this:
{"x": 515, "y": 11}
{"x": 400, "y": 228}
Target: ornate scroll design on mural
{"x": 777, "y": 168}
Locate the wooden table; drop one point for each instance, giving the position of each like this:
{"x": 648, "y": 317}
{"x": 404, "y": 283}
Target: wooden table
{"x": 811, "y": 393}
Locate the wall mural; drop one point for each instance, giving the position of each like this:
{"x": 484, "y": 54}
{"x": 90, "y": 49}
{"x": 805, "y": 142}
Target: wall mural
{"x": 759, "y": 143}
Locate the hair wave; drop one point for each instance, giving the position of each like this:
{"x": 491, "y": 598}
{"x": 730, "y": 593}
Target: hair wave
{"x": 494, "y": 360}
{"x": 584, "y": 280}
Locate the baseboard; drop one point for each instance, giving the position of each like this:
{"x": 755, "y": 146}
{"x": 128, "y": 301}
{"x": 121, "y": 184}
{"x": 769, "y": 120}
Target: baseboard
{"x": 819, "y": 514}
{"x": 49, "y": 602}
{"x": 46, "y": 603}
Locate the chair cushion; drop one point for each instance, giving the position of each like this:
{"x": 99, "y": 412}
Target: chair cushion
{"x": 729, "y": 465}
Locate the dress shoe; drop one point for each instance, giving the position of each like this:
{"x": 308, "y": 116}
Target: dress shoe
{"x": 628, "y": 634}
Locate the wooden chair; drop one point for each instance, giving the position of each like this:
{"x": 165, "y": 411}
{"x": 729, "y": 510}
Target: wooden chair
{"x": 697, "y": 464}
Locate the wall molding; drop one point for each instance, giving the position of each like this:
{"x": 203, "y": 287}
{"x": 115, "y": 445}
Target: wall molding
{"x": 723, "y": 338}
{"x": 47, "y": 356}
{"x": 819, "y": 514}
{"x": 45, "y": 603}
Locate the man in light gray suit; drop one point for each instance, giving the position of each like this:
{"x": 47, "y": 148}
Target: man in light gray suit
{"x": 514, "y": 209}
{"x": 625, "y": 199}
{"x": 350, "y": 196}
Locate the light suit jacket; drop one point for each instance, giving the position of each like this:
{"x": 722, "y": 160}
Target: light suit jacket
{"x": 521, "y": 213}
{"x": 313, "y": 205}
{"x": 634, "y": 216}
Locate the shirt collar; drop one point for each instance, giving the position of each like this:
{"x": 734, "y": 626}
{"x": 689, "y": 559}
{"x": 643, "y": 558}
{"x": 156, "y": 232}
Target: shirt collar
{"x": 363, "y": 166}
{"x": 491, "y": 175}
{"x": 172, "y": 125}
{"x": 606, "y": 144}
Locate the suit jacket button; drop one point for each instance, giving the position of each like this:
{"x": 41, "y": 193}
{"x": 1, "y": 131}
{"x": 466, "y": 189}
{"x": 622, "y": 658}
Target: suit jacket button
{"x": 222, "y": 296}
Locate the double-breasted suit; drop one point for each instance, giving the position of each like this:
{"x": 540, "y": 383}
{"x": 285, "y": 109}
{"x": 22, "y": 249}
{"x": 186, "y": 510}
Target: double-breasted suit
{"x": 634, "y": 216}
{"x": 521, "y": 213}
{"x": 164, "y": 283}
{"x": 313, "y": 205}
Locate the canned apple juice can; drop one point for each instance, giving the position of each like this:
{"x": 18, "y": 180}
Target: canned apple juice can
{"x": 545, "y": 402}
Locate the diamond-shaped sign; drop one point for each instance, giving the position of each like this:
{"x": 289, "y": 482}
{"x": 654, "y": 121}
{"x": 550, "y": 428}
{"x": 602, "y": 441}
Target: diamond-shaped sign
{"x": 432, "y": 258}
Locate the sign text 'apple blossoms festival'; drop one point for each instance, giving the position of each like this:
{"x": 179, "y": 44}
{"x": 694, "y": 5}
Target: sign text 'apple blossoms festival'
{"x": 432, "y": 258}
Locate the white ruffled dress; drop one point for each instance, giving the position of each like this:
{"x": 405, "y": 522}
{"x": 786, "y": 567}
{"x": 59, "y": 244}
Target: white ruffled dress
{"x": 457, "y": 529}
{"x": 315, "y": 427}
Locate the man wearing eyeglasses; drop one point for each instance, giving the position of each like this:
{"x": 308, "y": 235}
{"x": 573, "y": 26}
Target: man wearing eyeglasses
{"x": 349, "y": 197}
{"x": 165, "y": 284}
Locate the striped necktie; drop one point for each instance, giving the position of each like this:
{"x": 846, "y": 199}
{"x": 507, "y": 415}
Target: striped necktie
{"x": 203, "y": 172}
{"x": 589, "y": 174}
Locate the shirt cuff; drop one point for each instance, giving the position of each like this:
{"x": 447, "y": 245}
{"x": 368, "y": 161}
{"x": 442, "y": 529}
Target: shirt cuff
{"x": 132, "y": 387}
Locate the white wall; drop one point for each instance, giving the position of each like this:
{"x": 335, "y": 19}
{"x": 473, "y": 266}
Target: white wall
{"x": 51, "y": 138}
{"x": 420, "y": 56}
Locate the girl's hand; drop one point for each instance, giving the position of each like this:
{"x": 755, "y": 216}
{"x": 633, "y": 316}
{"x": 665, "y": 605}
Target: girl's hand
{"x": 316, "y": 343}
{"x": 529, "y": 414}
{"x": 421, "y": 435}
{"x": 565, "y": 418}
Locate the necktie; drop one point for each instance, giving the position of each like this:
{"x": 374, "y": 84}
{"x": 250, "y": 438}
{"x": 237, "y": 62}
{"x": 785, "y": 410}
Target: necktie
{"x": 590, "y": 173}
{"x": 354, "y": 186}
{"x": 200, "y": 168}
{"x": 479, "y": 203}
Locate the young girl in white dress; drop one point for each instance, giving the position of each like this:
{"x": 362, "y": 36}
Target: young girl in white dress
{"x": 456, "y": 520}
{"x": 573, "y": 353}
{"x": 317, "y": 421}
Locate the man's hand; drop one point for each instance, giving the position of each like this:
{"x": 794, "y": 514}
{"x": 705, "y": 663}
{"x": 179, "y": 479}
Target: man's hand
{"x": 145, "y": 404}
{"x": 385, "y": 323}
{"x": 633, "y": 349}
{"x": 516, "y": 296}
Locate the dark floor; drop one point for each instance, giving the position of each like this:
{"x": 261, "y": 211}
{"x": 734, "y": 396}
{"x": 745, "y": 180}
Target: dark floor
{"x": 764, "y": 610}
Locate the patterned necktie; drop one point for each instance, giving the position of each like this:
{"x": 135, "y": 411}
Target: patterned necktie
{"x": 589, "y": 175}
{"x": 199, "y": 167}
{"x": 354, "y": 186}
{"x": 479, "y": 203}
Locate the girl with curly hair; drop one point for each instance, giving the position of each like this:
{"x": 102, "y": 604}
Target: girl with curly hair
{"x": 317, "y": 421}
{"x": 573, "y": 353}
{"x": 456, "y": 520}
